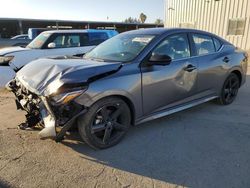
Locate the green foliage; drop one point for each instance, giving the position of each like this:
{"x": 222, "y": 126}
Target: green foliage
{"x": 158, "y": 21}
{"x": 143, "y": 18}
{"x": 132, "y": 20}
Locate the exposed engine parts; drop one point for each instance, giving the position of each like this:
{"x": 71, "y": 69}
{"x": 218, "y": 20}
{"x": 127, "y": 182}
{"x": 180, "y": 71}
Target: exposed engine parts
{"x": 55, "y": 119}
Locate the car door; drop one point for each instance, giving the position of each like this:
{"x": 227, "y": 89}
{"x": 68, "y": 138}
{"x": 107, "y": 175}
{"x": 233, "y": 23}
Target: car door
{"x": 172, "y": 83}
{"x": 211, "y": 63}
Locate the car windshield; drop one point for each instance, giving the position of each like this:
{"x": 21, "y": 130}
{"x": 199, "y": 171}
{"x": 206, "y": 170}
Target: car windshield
{"x": 122, "y": 48}
{"x": 39, "y": 41}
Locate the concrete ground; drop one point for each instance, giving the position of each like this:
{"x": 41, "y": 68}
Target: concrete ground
{"x": 206, "y": 146}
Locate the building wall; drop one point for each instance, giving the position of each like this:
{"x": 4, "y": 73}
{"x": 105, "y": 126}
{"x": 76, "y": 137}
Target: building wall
{"x": 212, "y": 16}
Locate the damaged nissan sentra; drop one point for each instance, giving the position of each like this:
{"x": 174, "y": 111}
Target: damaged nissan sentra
{"x": 132, "y": 78}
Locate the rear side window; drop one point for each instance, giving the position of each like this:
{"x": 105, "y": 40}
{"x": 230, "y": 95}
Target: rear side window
{"x": 204, "y": 44}
{"x": 175, "y": 46}
{"x": 97, "y": 38}
{"x": 217, "y": 44}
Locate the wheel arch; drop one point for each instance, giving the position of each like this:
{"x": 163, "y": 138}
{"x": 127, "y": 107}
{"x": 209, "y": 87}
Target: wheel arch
{"x": 238, "y": 73}
{"x": 126, "y": 98}
{"x": 130, "y": 105}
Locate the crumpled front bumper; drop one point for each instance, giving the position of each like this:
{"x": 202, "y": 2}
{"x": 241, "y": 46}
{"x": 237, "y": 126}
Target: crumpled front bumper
{"x": 39, "y": 110}
{"x": 51, "y": 128}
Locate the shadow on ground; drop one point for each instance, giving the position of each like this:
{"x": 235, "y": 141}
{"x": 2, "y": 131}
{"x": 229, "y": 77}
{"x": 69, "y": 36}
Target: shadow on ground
{"x": 194, "y": 154}
{"x": 4, "y": 184}
{"x": 206, "y": 146}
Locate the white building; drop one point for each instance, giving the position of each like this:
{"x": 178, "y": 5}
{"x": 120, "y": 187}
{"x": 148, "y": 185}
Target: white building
{"x": 229, "y": 19}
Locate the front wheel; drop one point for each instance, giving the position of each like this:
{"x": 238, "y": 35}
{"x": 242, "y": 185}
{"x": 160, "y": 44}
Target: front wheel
{"x": 230, "y": 89}
{"x": 105, "y": 124}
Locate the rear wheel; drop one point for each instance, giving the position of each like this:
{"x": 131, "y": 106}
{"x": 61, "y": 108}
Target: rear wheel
{"x": 230, "y": 89}
{"x": 105, "y": 124}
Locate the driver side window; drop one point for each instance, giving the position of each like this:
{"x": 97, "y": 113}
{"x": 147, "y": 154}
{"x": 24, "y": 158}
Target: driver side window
{"x": 175, "y": 46}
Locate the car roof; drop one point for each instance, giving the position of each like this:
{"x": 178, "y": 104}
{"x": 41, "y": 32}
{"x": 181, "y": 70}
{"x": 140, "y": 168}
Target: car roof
{"x": 160, "y": 31}
{"x": 78, "y": 31}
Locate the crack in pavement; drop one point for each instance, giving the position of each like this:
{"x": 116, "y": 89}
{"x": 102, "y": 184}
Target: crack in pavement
{"x": 118, "y": 180}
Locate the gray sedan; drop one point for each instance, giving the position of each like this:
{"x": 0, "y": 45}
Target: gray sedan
{"x": 132, "y": 78}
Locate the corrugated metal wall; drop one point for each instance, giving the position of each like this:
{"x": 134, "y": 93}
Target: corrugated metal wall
{"x": 210, "y": 15}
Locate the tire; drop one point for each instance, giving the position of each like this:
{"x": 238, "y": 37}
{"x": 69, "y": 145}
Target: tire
{"x": 105, "y": 123}
{"x": 229, "y": 90}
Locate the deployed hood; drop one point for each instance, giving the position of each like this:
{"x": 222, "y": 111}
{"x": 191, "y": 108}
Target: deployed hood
{"x": 42, "y": 75}
{"x": 6, "y": 51}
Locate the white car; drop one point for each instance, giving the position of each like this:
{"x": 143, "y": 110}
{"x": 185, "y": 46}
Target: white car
{"x": 47, "y": 44}
{"x": 21, "y": 37}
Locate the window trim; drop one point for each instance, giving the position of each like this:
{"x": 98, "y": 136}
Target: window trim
{"x": 212, "y": 38}
{"x": 55, "y": 35}
{"x": 145, "y": 60}
{"x": 174, "y": 60}
{"x": 221, "y": 48}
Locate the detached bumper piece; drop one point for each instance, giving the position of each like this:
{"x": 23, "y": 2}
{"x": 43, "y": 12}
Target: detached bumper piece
{"x": 67, "y": 126}
{"x": 48, "y": 119}
{"x": 56, "y": 120}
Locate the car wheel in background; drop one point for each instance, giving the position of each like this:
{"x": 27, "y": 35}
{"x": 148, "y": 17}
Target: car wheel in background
{"x": 105, "y": 123}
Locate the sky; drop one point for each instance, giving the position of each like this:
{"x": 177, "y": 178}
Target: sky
{"x": 84, "y": 10}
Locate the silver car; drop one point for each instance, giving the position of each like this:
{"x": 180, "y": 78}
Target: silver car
{"x": 130, "y": 79}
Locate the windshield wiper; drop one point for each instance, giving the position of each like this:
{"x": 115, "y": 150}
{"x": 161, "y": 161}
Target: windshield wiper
{"x": 99, "y": 59}
{"x": 94, "y": 59}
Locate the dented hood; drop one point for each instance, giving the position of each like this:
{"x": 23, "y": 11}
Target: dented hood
{"x": 44, "y": 76}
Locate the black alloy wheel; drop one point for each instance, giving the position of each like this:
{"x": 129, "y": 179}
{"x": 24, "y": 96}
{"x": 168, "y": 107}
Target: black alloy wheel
{"x": 105, "y": 123}
{"x": 230, "y": 89}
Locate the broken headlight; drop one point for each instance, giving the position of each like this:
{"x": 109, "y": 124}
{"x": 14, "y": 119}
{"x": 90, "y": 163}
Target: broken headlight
{"x": 66, "y": 97}
{"x": 4, "y": 60}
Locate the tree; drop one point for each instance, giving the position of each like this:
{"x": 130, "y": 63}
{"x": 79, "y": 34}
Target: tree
{"x": 143, "y": 18}
{"x": 158, "y": 21}
{"x": 131, "y": 20}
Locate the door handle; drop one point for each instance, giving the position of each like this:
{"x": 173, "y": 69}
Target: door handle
{"x": 190, "y": 68}
{"x": 226, "y": 59}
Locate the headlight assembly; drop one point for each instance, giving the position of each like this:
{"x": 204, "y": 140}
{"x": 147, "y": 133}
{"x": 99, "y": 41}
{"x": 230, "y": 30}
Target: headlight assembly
{"x": 4, "y": 60}
{"x": 64, "y": 98}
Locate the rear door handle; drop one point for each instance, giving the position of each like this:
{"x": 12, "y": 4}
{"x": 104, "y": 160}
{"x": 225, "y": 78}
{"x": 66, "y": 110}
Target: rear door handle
{"x": 226, "y": 59}
{"x": 190, "y": 68}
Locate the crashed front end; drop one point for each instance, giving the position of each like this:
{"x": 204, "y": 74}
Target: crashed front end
{"x": 55, "y": 113}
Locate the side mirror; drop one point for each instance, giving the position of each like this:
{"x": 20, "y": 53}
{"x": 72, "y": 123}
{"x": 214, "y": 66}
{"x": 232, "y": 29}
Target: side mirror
{"x": 52, "y": 45}
{"x": 159, "y": 59}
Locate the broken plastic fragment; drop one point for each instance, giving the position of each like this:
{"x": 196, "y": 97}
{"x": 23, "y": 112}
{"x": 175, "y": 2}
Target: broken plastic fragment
{"x": 49, "y": 130}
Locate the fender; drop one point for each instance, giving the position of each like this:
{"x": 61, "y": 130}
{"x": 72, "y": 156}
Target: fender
{"x": 87, "y": 99}
{"x": 238, "y": 69}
